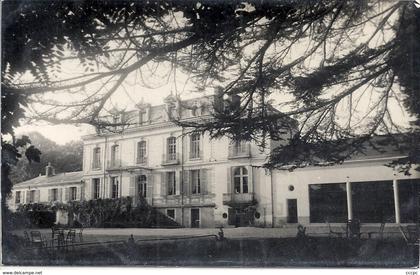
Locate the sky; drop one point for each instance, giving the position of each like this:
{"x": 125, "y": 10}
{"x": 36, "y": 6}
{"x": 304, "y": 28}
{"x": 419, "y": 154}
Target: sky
{"x": 159, "y": 85}
{"x": 63, "y": 133}
{"x": 127, "y": 96}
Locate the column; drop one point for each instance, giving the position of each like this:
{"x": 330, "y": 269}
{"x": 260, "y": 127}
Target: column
{"x": 349, "y": 200}
{"x": 396, "y": 201}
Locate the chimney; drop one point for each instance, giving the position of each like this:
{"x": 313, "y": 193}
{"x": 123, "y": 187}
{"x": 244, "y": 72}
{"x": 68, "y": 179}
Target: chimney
{"x": 49, "y": 170}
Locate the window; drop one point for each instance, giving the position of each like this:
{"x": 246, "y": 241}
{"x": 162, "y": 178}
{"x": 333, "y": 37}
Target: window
{"x": 171, "y": 148}
{"x": 73, "y": 193}
{"x": 17, "y": 197}
{"x": 195, "y": 218}
{"x": 171, "y": 110}
{"x": 115, "y": 122}
{"x": 96, "y": 163}
{"x": 96, "y": 188}
{"x": 32, "y": 196}
{"x": 114, "y": 185}
{"x": 142, "y": 186}
{"x": 238, "y": 148}
{"x": 141, "y": 151}
{"x": 194, "y": 111}
{"x": 115, "y": 150}
{"x": 408, "y": 193}
{"x": 327, "y": 202}
{"x": 170, "y": 213}
{"x": 373, "y": 201}
{"x": 195, "y": 146}
{"x": 142, "y": 116}
{"x": 171, "y": 181}
{"x": 240, "y": 180}
{"x": 54, "y": 194}
{"x": 195, "y": 182}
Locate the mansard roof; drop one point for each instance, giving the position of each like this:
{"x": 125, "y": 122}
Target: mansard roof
{"x": 58, "y": 179}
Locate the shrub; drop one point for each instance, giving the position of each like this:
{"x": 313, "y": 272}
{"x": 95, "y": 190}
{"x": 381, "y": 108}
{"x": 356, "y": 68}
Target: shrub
{"x": 99, "y": 213}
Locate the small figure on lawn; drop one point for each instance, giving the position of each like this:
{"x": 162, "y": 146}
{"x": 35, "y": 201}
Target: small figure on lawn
{"x": 301, "y": 233}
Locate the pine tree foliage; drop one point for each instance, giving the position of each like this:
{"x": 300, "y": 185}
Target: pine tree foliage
{"x": 341, "y": 64}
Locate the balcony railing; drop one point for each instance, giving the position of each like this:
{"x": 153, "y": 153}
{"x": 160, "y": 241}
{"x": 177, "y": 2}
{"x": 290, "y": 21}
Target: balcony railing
{"x": 96, "y": 165}
{"x": 195, "y": 155}
{"x": 243, "y": 151}
{"x": 113, "y": 164}
{"x": 170, "y": 159}
{"x": 141, "y": 161}
{"x": 238, "y": 198}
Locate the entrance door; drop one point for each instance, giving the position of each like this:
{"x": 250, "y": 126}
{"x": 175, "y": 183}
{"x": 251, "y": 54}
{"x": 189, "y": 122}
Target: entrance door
{"x": 292, "y": 216}
{"x": 195, "y": 218}
{"x": 231, "y": 216}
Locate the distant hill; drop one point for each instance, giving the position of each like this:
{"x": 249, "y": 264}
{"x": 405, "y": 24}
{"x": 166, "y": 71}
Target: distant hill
{"x": 64, "y": 158}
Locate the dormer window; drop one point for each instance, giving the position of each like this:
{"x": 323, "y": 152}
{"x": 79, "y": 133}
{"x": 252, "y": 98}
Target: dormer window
{"x": 172, "y": 106}
{"x": 144, "y": 112}
{"x": 142, "y": 117}
{"x": 114, "y": 122}
{"x": 170, "y": 110}
{"x": 194, "y": 111}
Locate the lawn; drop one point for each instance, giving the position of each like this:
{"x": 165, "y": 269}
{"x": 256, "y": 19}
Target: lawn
{"x": 269, "y": 252}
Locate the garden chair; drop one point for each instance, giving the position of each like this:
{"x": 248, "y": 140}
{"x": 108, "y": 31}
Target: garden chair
{"x": 59, "y": 238}
{"x": 80, "y": 234}
{"x": 411, "y": 235}
{"x": 334, "y": 233}
{"x": 353, "y": 229}
{"x": 380, "y": 232}
{"x": 70, "y": 238}
{"x": 301, "y": 232}
{"x": 55, "y": 230}
{"x": 28, "y": 241}
{"x": 38, "y": 240}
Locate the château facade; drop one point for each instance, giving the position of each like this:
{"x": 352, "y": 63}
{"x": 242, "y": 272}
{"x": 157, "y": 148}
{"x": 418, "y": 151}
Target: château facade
{"x": 203, "y": 182}
{"x": 195, "y": 180}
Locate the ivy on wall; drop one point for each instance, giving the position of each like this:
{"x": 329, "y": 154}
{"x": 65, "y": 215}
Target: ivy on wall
{"x": 119, "y": 212}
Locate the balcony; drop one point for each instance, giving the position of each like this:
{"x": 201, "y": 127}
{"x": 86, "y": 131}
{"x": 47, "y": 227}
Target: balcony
{"x": 113, "y": 164}
{"x": 196, "y": 155}
{"x": 96, "y": 165}
{"x": 239, "y": 151}
{"x": 170, "y": 159}
{"x": 235, "y": 199}
{"x": 142, "y": 161}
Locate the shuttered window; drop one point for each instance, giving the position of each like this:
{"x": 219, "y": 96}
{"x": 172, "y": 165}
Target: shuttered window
{"x": 195, "y": 182}
{"x": 73, "y": 193}
{"x": 115, "y": 155}
{"x": 142, "y": 186}
{"x": 32, "y": 196}
{"x": 96, "y": 160}
{"x": 171, "y": 183}
{"x": 115, "y": 187}
{"x": 96, "y": 188}
{"x": 17, "y": 197}
{"x": 54, "y": 194}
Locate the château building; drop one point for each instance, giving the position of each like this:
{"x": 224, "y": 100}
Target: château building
{"x": 203, "y": 182}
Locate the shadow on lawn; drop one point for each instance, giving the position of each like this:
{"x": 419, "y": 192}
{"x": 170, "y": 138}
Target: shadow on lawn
{"x": 282, "y": 252}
